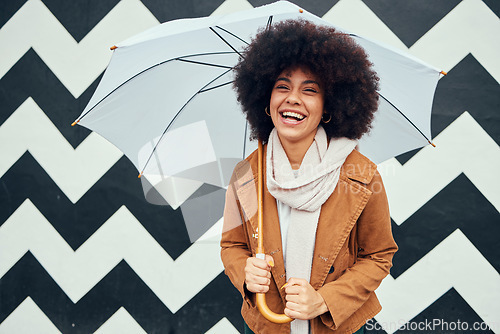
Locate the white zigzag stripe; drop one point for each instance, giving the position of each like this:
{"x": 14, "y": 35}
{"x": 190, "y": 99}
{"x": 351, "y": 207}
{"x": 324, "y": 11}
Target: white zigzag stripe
{"x": 120, "y": 322}
{"x": 463, "y": 147}
{"x": 73, "y": 170}
{"x": 122, "y": 237}
{"x": 454, "y": 263}
{"x": 471, "y": 27}
{"x": 76, "y": 65}
{"x": 364, "y": 22}
{"x": 27, "y": 318}
{"x": 223, "y": 327}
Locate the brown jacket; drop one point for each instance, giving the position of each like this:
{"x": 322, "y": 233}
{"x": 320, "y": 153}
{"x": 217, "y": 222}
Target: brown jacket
{"x": 353, "y": 250}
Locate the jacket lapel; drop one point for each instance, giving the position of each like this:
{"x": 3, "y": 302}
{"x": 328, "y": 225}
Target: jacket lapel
{"x": 338, "y": 216}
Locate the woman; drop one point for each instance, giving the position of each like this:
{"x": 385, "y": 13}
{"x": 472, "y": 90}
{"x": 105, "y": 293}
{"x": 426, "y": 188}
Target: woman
{"x": 309, "y": 93}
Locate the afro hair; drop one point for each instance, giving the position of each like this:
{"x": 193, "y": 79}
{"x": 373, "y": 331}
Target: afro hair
{"x": 349, "y": 83}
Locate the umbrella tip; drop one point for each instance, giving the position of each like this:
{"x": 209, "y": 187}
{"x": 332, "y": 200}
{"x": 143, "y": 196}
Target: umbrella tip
{"x": 113, "y": 47}
{"x": 443, "y": 73}
{"x": 433, "y": 145}
{"x": 301, "y": 10}
{"x": 75, "y": 122}
{"x": 139, "y": 176}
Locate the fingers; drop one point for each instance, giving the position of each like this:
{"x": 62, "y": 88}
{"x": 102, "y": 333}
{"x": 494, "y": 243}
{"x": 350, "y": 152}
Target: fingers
{"x": 307, "y": 309}
{"x": 262, "y": 264}
{"x": 297, "y": 311}
{"x": 302, "y": 301}
{"x": 258, "y": 274}
{"x": 290, "y": 311}
{"x": 297, "y": 281}
{"x": 295, "y": 286}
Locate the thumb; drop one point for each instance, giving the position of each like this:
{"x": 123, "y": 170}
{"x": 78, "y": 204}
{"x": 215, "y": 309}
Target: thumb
{"x": 270, "y": 260}
{"x": 296, "y": 281}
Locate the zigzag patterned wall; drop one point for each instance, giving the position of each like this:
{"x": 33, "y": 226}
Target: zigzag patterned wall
{"x": 81, "y": 251}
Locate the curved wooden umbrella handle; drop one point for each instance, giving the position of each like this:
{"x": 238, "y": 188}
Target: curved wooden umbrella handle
{"x": 261, "y": 297}
{"x": 268, "y": 314}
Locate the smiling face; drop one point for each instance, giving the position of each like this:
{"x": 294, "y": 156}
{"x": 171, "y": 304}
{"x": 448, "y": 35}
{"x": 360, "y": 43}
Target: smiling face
{"x": 296, "y": 106}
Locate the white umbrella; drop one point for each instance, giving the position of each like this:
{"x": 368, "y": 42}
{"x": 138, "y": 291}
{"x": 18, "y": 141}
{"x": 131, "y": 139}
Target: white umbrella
{"x": 167, "y": 102}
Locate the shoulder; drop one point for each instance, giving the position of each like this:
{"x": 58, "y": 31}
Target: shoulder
{"x": 359, "y": 168}
{"x": 245, "y": 171}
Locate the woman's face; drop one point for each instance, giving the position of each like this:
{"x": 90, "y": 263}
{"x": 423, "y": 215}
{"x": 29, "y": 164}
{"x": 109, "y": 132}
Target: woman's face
{"x": 296, "y": 105}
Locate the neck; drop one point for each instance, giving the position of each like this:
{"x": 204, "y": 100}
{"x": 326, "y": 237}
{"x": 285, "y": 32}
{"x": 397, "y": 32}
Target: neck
{"x": 295, "y": 151}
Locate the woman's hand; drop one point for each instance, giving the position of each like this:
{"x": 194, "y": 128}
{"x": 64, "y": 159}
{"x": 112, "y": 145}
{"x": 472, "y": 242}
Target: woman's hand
{"x": 258, "y": 274}
{"x": 302, "y": 301}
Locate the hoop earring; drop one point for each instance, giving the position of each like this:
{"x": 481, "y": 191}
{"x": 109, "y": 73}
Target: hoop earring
{"x": 267, "y": 112}
{"x": 329, "y": 119}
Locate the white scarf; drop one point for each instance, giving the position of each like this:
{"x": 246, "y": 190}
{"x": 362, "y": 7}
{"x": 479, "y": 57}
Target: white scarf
{"x": 316, "y": 179}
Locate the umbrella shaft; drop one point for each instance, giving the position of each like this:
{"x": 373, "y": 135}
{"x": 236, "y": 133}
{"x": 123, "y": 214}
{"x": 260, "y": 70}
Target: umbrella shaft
{"x": 260, "y": 191}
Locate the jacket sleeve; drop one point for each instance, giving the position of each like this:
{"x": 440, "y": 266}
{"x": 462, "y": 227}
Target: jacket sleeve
{"x": 234, "y": 243}
{"x": 376, "y": 247}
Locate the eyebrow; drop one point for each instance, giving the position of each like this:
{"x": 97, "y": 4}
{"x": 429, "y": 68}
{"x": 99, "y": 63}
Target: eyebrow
{"x": 304, "y": 82}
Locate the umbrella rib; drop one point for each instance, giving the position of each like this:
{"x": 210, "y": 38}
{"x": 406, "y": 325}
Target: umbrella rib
{"x": 245, "y": 141}
{"x": 208, "y": 89}
{"x": 269, "y": 22}
{"x": 202, "y": 63}
{"x": 155, "y": 65}
{"x": 409, "y": 121}
{"x": 176, "y": 115}
{"x": 235, "y": 36}
{"x": 229, "y": 44}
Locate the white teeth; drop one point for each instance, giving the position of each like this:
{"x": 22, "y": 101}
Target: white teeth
{"x": 293, "y": 114}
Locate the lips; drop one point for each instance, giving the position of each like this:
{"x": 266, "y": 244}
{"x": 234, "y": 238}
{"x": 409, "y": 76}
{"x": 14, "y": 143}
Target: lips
{"x": 292, "y": 116}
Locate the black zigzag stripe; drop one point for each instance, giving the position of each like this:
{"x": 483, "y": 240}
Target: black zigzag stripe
{"x": 119, "y": 186}
{"x": 80, "y": 16}
{"x": 459, "y": 206}
{"x": 121, "y": 287}
{"x": 317, "y": 7}
{"x": 30, "y": 77}
{"x": 8, "y": 9}
{"x": 450, "y": 309}
{"x": 494, "y": 6}
{"x": 418, "y": 235}
{"x": 409, "y": 28}
{"x": 467, "y": 87}
{"x": 443, "y": 315}
{"x": 181, "y": 9}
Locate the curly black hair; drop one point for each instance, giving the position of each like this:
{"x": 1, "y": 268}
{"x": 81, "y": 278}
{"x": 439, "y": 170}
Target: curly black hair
{"x": 349, "y": 83}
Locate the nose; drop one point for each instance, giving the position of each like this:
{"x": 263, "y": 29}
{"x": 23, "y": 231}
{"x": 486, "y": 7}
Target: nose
{"x": 293, "y": 98}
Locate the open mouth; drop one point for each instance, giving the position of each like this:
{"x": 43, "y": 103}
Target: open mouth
{"x": 290, "y": 115}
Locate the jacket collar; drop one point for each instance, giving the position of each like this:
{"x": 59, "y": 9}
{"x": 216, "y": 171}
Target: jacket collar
{"x": 359, "y": 168}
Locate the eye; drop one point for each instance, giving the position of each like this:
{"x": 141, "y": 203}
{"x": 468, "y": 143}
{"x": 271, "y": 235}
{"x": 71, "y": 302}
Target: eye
{"x": 281, "y": 86}
{"x": 310, "y": 90}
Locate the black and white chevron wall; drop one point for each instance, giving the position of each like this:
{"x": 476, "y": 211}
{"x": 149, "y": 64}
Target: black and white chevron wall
{"x": 81, "y": 251}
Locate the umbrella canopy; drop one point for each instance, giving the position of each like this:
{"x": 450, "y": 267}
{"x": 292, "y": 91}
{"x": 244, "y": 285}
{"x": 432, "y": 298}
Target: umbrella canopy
{"x": 166, "y": 98}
